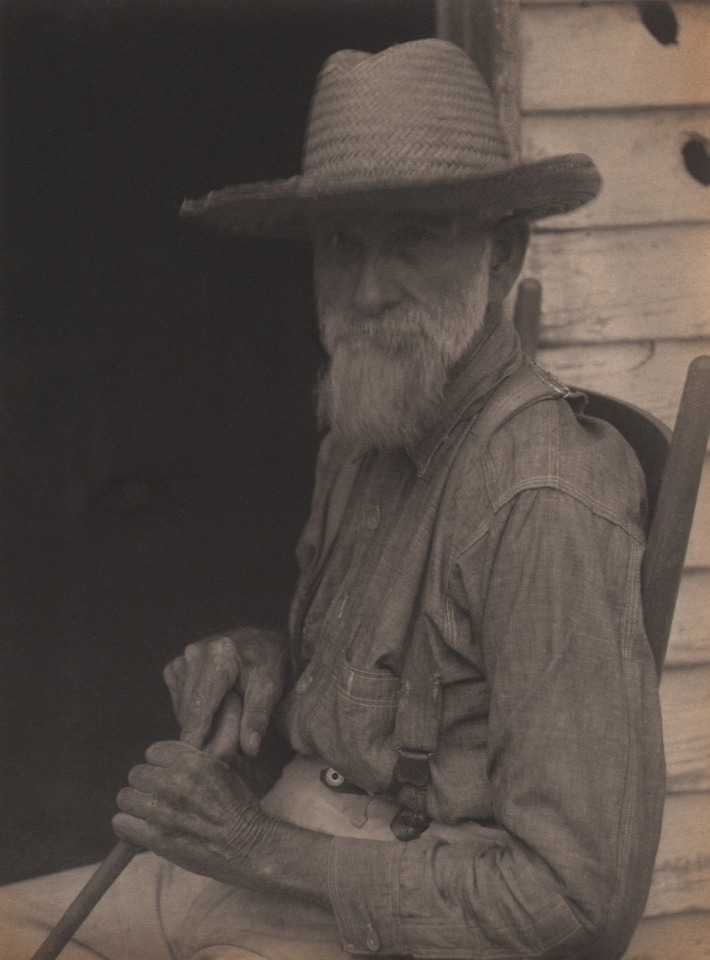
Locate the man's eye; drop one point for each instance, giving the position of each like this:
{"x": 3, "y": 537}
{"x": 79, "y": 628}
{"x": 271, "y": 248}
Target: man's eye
{"x": 412, "y": 235}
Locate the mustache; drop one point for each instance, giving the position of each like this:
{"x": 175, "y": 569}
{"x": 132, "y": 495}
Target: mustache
{"x": 393, "y": 329}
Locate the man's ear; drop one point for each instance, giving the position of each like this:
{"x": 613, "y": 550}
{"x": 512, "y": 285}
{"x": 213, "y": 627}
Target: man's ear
{"x": 509, "y": 245}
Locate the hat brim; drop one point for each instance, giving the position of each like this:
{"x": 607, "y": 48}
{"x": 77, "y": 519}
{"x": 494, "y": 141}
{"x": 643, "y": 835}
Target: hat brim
{"x": 288, "y": 208}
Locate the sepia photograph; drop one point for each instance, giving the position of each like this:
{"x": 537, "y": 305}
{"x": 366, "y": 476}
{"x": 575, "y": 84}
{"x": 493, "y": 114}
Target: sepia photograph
{"x": 354, "y": 486}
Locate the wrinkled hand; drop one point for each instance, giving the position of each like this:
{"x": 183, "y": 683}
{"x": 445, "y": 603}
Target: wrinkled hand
{"x": 195, "y": 811}
{"x": 224, "y": 689}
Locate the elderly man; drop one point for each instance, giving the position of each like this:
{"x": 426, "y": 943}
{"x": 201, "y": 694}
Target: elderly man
{"x": 466, "y": 687}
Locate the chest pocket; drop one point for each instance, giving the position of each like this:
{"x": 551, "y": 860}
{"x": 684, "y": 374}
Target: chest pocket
{"x": 355, "y": 722}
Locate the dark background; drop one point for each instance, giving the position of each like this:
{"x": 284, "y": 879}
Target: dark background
{"x": 157, "y": 428}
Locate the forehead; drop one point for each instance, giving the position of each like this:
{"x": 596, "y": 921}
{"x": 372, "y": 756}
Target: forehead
{"x": 376, "y": 223}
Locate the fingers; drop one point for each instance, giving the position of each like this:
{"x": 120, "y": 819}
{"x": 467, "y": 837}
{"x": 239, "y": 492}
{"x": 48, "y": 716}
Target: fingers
{"x": 249, "y": 660}
{"x": 208, "y": 670}
{"x": 174, "y": 676}
{"x": 133, "y": 829}
{"x": 165, "y": 784}
{"x": 158, "y": 793}
{"x": 136, "y": 803}
{"x": 264, "y": 684}
{"x": 182, "y": 803}
{"x": 171, "y": 753}
{"x": 225, "y": 739}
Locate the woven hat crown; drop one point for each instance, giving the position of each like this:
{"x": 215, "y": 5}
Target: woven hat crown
{"x": 411, "y": 128}
{"x": 417, "y": 111}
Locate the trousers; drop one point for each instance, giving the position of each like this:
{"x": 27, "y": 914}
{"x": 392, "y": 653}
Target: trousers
{"x": 158, "y": 911}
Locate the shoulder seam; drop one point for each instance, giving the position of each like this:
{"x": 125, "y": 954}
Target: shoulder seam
{"x": 551, "y": 482}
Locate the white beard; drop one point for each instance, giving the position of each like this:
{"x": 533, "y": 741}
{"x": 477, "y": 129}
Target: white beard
{"x": 387, "y": 375}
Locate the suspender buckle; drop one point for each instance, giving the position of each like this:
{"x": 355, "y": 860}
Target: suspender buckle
{"x": 412, "y": 767}
{"x": 407, "y": 825}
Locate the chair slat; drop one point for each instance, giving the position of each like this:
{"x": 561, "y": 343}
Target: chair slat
{"x": 669, "y": 533}
{"x": 526, "y": 317}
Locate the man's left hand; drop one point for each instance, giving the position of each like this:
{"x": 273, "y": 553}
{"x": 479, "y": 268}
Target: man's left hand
{"x": 194, "y": 810}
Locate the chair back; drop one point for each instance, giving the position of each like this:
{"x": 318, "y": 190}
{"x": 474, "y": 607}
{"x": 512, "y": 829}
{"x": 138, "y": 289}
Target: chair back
{"x": 672, "y": 464}
{"x": 650, "y": 440}
{"x": 675, "y": 505}
{"x": 648, "y": 436}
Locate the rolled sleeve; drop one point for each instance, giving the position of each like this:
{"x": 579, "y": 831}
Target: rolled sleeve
{"x": 363, "y": 881}
{"x": 434, "y": 898}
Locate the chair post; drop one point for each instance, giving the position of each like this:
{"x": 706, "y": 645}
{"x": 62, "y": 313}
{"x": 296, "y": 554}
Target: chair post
{"x": 526, "y": 317}
{"x": 668, "y": 538}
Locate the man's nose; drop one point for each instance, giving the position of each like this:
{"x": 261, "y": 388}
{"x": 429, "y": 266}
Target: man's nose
{"x": 377, "y": 285}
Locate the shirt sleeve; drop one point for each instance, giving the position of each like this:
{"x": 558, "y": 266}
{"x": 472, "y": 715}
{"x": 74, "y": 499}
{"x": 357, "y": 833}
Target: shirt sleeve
{"x": 575, "y": 759}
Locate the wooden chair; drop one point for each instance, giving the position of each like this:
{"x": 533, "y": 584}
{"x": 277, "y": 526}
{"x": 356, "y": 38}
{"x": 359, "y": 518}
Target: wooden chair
{"x": 672, "y": 463}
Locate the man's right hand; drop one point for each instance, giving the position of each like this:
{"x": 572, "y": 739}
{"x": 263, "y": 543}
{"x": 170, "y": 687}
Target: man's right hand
{"x": 224, "y": 689}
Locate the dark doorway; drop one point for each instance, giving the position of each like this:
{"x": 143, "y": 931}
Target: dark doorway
{"x": 158, "y": 437}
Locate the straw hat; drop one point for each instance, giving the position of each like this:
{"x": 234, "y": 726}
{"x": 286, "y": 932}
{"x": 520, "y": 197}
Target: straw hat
{"x": 411, "y": 128}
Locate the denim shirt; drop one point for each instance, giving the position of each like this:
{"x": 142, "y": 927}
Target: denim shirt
{"x": 509, "y": 565}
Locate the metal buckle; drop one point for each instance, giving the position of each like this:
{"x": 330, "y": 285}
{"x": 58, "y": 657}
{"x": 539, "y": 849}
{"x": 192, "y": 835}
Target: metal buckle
{"x": 412, "y": 767}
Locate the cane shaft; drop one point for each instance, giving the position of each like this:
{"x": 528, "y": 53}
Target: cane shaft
{"x": 86, "y": 900}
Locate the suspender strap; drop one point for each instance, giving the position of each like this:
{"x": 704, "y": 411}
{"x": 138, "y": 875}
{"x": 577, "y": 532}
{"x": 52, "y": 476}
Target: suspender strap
{"x": 418, "y": 718}
{"x": 416, "y": 737}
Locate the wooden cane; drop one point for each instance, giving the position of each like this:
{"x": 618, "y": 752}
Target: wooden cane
{"x": 222, "y": 743}
{"x": 86, "y": 900}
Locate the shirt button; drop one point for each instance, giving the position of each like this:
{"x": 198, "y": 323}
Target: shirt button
{"x": 334, "y": 779}
{"x": 372, "y": 942}
{"x": 304, "y": 682}
{"x": 373, "y": 518}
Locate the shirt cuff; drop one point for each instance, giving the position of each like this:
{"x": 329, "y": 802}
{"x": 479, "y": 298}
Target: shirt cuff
{"x": 363, "y": 882}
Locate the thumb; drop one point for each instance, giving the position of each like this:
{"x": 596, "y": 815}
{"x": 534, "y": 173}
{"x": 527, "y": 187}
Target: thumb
{"x": 225, "y": 739}
{"x": 260, "y": 698}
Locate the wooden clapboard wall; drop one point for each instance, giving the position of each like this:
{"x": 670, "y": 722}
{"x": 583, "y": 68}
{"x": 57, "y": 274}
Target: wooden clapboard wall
{"x": 626, "y": 306}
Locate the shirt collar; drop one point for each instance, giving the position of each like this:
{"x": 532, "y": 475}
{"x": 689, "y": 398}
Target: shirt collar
{"x": 493, "y": 356}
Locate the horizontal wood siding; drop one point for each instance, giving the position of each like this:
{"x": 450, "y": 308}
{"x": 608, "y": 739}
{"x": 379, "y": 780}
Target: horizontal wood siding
{"x": 686, "y": 729}
{"x": 640, "y": 158}
{"x": 684, "y": 937}
{"x": 600, "y": 57}
{"x": 585, "y": 3}
{"x": 690, "y": 634}
{"x": 681, "y": 879}
{"x": 649, "y": 373}
{"x": 626, "y": 306}
{"x": 697, "y": 555}
{"x": 613, "y": 268}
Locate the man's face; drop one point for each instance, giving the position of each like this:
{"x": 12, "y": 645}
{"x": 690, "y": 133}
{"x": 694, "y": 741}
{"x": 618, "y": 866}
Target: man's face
{"x": 400, "y": 300}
